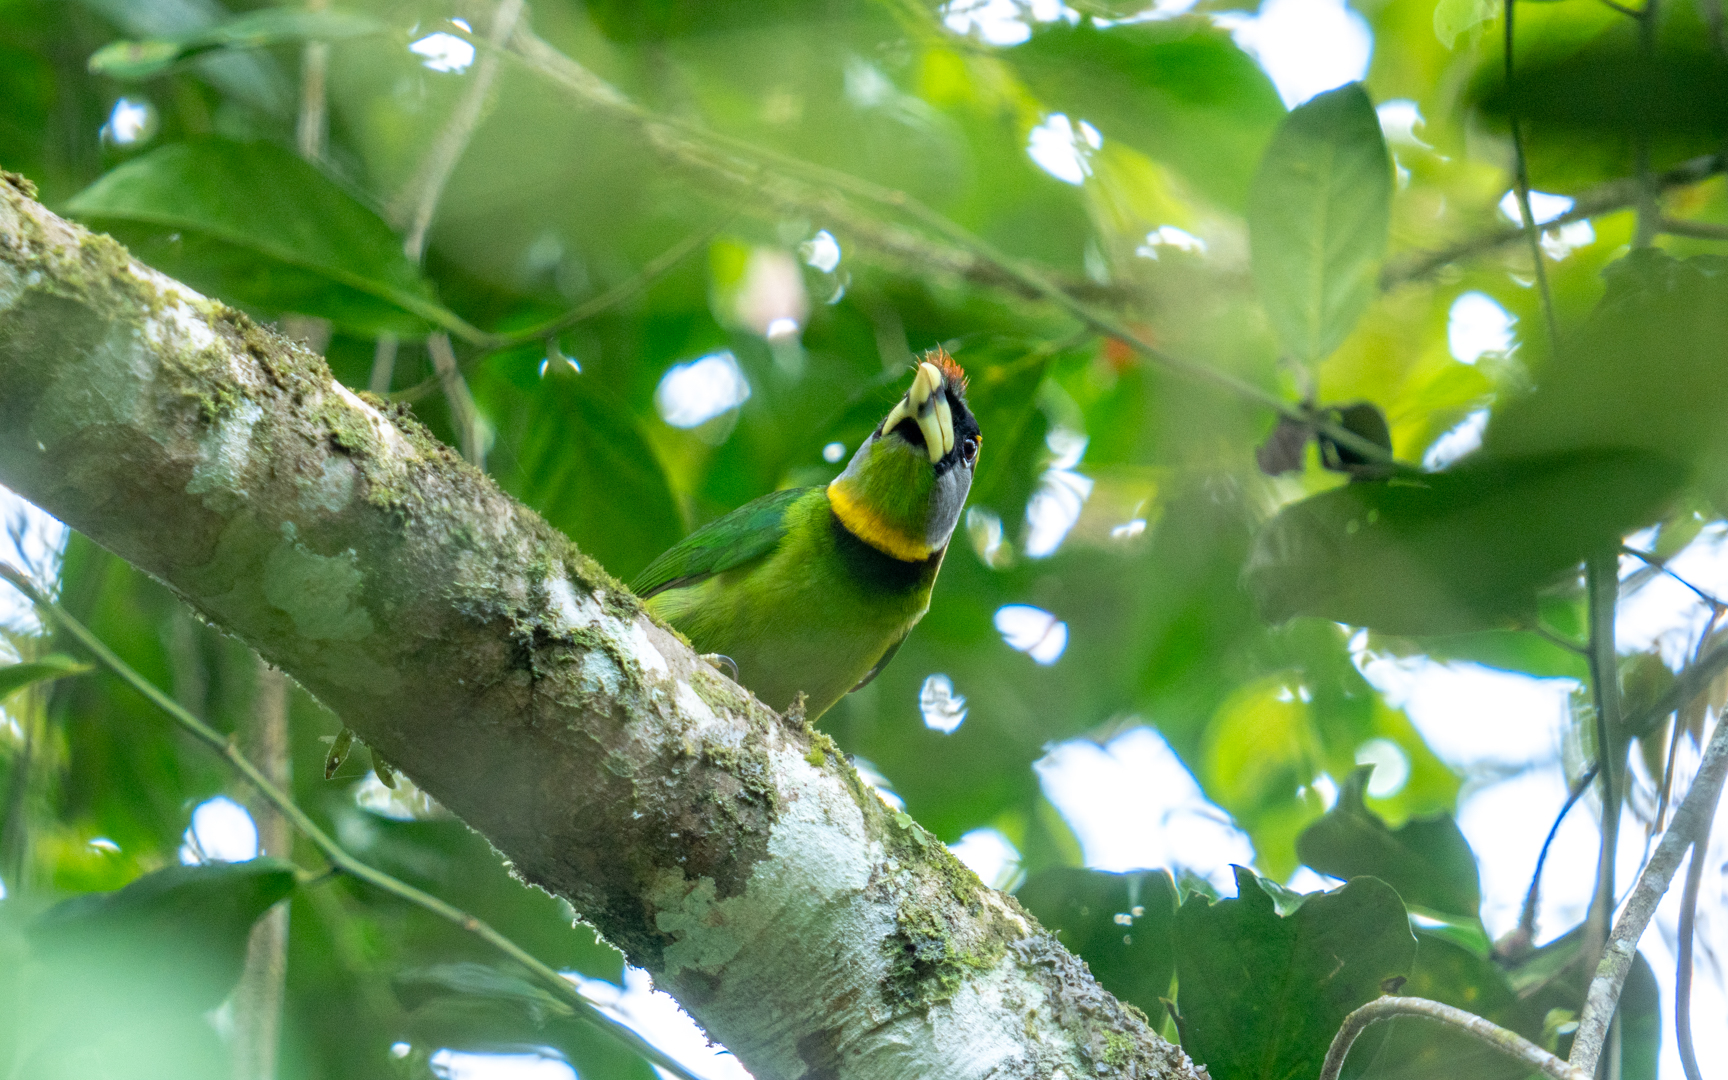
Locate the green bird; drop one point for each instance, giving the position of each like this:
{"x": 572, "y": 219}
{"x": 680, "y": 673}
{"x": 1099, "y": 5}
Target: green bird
{"x": 813, "y": 589}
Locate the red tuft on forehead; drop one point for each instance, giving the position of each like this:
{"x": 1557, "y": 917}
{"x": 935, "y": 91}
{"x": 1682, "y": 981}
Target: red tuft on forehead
{"x": 952, "y": 372}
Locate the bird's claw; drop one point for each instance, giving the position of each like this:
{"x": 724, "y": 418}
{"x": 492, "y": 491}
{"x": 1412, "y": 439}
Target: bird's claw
{"x": 715, "y": 660}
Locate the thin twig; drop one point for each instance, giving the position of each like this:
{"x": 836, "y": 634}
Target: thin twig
{"x": 1674, "y": 736}
{"x": 1649, "y": 209}
{"x": 1509, "y": 1043}
{"x": 464, "y": 414}
{"x": 737, "y": 161}
{"x": 1521, "y": 183}
{"x": 1661, "y": 566}
{"x": 1690, "y": 819}
{"x": 1693, "y": 680}
{"x": 561, "y": 987}
{"x": 1683, "y": 968}
{"x": 383, "y": 365}
{"x": 440, "y": 162}
{"x": 651, "y": 272}
{"x": 1605, "y": 198}
{"x": 1527, "y": 916}
{"x": 1630, "y": 13}
{"x": 1700, "y": 230}
{"x": 1602, "y": 578}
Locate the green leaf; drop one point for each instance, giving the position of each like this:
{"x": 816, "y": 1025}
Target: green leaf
{"x": 1427, "y": 860}
{"x": 185, "y": 925}
{"x": 483, "y": 1007}
{"x": 271, "y": 229}
{"x": 134, "y": 60}
{"x": 1120, "y": 924}
{"x": 1318, "y": 214}
{"x": 1447, "y": 552}
{"x": 1672, "y": 317}
{"x": 584, "y": 464}
{"x": 1262, "y": 994}
{"x": 1177, "y": 90}
{"x": 14, "y": 677}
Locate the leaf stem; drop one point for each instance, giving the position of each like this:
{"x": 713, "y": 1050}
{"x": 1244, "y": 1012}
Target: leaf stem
{"x": 339, "y": 856}
{"x": 1527, "y": 916}
{"x": 1509, "y": 1043}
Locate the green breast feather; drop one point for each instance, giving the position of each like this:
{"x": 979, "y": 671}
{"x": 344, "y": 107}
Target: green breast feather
{"x": 748, "y": 532}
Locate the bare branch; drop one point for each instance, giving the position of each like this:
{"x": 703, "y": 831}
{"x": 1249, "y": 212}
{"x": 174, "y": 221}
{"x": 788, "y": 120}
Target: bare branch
{"x": 1509, "y": 1043}
{"x": 1690, "y": 821}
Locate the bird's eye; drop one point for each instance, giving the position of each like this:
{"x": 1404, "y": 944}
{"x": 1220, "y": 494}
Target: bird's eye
{"x": 969, "y": 449}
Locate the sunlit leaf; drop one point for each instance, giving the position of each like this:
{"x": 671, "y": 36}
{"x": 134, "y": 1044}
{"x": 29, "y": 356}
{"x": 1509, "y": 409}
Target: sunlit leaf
{"x": 1318, "y": 215}
{"x": 1262, "y": 994}
{"x": 1120, "y": 924}
{"x": 291, "y": 223}
{"x": 1427, "y": 860}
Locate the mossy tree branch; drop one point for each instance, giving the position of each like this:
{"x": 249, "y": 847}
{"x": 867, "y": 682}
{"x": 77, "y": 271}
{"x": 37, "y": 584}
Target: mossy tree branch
{"x": 731, "y": 852}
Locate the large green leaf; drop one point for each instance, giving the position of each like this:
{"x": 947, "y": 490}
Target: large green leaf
{"x": 183, "y": 924}
{"x": 1459, "y": 550}
{"x": 481, "y": 1007}
{"x": 53, "y": 666}
{"x": 253, "y": 30}
{"x": 585, "y": 466}
{"x": 1318, "y": 215}
{"x": 1262, "y": 994}
{"x": 1120, "y": 924}
{"x": 1587, "y": 91}
{"x": 1643, "y": 372}
{"x": 1427, "y": 860}
{"x": 1177, "y": 90}
{"x": 262, "y": 222}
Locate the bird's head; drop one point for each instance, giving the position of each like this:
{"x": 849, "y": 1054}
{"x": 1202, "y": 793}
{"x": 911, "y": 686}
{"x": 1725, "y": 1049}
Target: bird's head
{"x": 903, "y": 490}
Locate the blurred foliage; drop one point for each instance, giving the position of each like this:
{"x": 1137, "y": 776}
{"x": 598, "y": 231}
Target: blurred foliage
{"x": 1231, "y": 610}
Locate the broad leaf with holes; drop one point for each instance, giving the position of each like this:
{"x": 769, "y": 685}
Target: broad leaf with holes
{"x": 1266, "y": 978}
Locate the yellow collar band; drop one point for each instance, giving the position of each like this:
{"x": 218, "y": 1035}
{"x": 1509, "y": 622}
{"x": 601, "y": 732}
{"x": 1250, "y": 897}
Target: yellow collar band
{"x": 873, "y": 529}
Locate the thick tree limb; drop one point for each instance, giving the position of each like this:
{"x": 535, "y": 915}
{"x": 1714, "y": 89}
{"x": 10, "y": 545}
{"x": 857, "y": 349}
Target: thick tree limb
{"x": 729, "y": 851}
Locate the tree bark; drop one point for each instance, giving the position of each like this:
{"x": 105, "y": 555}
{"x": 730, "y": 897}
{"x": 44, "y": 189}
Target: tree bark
{"x": 730, "y": 851}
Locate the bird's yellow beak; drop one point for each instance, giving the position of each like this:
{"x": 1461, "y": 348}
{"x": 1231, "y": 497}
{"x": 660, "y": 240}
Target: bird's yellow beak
{"x": 926, "y": 404}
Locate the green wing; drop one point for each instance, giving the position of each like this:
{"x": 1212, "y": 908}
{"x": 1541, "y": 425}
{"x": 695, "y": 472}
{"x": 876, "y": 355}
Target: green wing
{"x": 746, "y": 533}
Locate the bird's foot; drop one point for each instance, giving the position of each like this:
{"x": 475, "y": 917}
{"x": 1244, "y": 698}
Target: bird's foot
{"x": 722, "y": 663}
